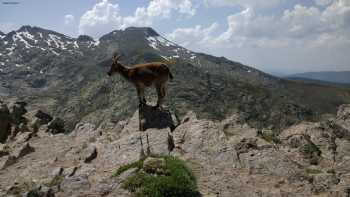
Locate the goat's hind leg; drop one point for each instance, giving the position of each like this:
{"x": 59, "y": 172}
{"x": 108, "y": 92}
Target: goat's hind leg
{"x": 141, "y": 95}
{"x": 159, "y": 94}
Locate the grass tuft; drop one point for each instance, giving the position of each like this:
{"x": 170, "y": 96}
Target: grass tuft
{"x": 178, "y": 181}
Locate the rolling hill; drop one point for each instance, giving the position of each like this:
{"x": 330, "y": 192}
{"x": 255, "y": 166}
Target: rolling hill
{"x": 341, "y": 77}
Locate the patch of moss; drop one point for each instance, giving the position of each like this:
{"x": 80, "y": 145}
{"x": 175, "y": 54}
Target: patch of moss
{"x": 178, "y": 182}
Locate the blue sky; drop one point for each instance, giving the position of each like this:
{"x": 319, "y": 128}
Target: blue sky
{"x": 277, "y": 36}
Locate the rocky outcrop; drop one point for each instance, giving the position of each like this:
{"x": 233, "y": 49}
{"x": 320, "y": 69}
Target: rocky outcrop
{"x": 153, "y": 117}
{"x": 7, "y": 161}
{"x": 229, "y": 158}
{"x": 15, "y": 125}
{"x": 44, "y": 118}
{"x": 343, "y": 118}
{"x": 232, "y": 158}
{"x": 90, "y": 154}
{"x": 10, "y": 155}
{"x": 23, "y": 150}
{"x": 56, "y": 126}
{"x": 5, "y": 122}
{"x": 17, "y": 111}
{"x": 3, "y": 150}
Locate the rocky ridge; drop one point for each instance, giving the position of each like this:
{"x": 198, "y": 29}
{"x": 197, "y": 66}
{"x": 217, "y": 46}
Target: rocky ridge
{"x": 229, "y": 158}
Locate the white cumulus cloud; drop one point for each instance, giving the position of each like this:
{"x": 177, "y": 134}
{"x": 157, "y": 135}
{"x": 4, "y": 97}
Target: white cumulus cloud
{"x": 256, "y": 4}
{"x": 68, "y": 19}
{"x": 105, "y": 16}
{"x": 302, "y": 34}
{"x": 299, "y": 24}
{"x": 192, "y": 37}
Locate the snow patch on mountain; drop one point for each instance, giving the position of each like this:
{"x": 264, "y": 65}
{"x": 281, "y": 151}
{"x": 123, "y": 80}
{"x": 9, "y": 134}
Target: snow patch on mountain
{"x": 27, "y": 35}
{"x": 76, "y": 46}
{"x": 18, "y": 36}
{"x": 57, "y": 41}
{"x": 152, "y": 42}
{"x": 54, "y": 52}
{"x": 97, "y": 42}
{"x": 165, "y": 42}
{"x": 165, "y": 57}
{"x": 157, "y": 41}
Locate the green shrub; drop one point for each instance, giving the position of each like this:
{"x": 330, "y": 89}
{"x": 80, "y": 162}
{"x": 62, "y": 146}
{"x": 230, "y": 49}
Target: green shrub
{"x": 178, "y": 182}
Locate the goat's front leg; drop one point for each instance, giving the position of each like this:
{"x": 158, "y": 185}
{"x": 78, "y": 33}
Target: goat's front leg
{"x": 161, "y": 95}
{"x": 140, "y": 93}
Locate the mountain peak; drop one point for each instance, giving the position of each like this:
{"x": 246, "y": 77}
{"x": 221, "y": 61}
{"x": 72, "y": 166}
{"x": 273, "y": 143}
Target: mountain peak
{"x": 85, "y": 38}
{"x": 147, "y": 30}
{"x": 28, "y": 28}
{"x": 131, "y": 33}
{"x": 25, "y": 28}
{"x": 35, "y": 29}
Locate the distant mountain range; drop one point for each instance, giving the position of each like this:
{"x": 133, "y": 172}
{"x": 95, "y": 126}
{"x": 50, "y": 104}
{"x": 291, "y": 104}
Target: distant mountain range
{"x": 67, "y": 77}
{"x": 342, "y": 77}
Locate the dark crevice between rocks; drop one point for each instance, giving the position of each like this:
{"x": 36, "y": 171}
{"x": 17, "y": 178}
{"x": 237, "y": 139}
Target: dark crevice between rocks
{"x": 245, "y": 146}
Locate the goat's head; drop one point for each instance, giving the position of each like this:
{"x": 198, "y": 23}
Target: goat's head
{"x": 115, "y": 67}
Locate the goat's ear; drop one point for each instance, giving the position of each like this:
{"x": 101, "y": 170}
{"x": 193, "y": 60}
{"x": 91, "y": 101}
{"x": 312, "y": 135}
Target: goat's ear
{"x": 114, "y": 59}
{"x": 117, "y": 58}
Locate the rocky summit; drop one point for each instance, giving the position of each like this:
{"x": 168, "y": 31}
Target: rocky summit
{"x": 228, "y": 158}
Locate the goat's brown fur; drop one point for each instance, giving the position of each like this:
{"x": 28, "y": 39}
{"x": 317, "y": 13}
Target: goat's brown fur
{"x": 144, "y": 75}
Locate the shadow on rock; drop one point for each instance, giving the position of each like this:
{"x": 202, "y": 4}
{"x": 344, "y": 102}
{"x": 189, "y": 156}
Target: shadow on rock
{"x": 153, "y": 117}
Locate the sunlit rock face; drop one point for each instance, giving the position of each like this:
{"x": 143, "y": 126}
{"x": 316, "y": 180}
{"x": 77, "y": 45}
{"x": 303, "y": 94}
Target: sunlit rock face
{"x": 228, "y": 157}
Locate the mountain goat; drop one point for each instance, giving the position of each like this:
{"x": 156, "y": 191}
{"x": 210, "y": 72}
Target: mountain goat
{"x": 144, "y": 75}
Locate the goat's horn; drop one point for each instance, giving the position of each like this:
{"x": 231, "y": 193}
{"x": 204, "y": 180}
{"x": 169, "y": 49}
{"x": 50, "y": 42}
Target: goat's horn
{"x": 115, "y": 57}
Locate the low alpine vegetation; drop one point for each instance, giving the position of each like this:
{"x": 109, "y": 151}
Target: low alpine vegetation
{"x": 160, "y": 176}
